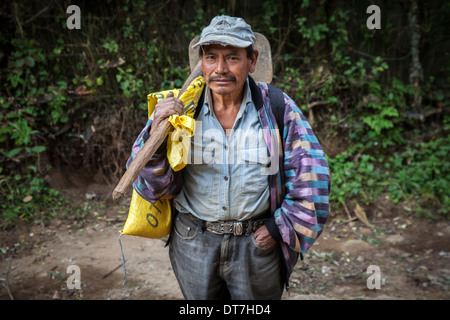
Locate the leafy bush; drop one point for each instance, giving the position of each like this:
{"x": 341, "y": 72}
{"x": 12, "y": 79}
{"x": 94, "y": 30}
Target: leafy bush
{"x": 27, "y": 198}
{"x": 373, "y": 115}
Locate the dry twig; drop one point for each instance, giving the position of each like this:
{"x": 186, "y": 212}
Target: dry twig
{"x": 5, "y": 280}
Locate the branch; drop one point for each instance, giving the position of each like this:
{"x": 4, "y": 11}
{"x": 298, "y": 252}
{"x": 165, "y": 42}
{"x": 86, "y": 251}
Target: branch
{"x": 36, "y": 15}
{"x": 5, "y": 280}
{"x": 423, "y": 115}
{"x": 315, "y": 103}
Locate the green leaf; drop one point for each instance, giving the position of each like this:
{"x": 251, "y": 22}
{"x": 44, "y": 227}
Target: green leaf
{"x": 19, "y": 63}
{"x": 29, "y": 61}
{"x": 13, "y": 152}
{"x": 89, "y": 82}
{"x": 37, "y": 149}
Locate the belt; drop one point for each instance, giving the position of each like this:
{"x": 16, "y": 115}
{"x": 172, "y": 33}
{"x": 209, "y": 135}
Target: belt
{"x": 237, "y": 228}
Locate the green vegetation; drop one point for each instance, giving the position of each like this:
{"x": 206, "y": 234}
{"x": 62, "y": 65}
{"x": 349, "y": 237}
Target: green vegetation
{"x": 77, "y": 98}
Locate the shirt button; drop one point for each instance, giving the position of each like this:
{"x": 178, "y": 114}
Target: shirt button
{"x": 224, "y": 208}
{"x": 226, "y": 147}
{"x": 225, "y": 178}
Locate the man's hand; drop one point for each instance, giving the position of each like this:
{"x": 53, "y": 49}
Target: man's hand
{"x": 263, "y": 238}
{"x": 165, "y": 108}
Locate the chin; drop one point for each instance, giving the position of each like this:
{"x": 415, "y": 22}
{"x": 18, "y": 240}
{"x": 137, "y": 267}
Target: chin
{"x": 221, "y": 90}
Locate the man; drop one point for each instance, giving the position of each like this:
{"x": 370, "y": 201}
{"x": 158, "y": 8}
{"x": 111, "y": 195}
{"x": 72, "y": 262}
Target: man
{"x": 238, "y": 228}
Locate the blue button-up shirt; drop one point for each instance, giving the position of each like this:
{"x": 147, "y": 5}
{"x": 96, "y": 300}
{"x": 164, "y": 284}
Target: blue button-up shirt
{"x": 223, "y": 179}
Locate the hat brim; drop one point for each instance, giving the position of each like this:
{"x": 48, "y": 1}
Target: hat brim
{"x": 263, "y": 69}
{"x": 224, "y": 40}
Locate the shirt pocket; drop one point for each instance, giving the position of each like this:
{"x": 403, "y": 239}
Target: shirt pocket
{"x": 200, "y": 173}
{"x": 252, "y": 164}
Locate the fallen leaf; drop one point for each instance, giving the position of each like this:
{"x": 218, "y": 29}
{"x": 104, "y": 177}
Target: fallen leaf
{"x": 27, "y": 199}
{"x": 361, "y": 214}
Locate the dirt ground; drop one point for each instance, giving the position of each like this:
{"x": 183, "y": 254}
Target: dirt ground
{"x": 412, "y": 254}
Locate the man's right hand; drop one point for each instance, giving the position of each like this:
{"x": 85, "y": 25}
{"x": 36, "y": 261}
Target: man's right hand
{"x": 165, "y": 108}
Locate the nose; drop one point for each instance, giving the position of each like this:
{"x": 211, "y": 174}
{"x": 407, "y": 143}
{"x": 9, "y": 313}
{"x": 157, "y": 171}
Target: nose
{"x": 221, "y": 66}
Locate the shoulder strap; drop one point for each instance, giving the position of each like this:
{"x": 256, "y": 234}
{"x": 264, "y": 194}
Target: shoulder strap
{"x": 199, "y": 104}
{"x": 276, "y": 96}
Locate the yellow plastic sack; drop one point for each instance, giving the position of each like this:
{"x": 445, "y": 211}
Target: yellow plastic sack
{"x": 154, "y": 220}
{"x": 148, "y": 220}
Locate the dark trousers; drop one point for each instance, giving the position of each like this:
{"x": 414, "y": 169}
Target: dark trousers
{"x": 211, "y": 266}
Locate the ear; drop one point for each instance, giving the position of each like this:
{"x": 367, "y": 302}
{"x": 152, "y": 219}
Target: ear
{"x": 252, "y": 61}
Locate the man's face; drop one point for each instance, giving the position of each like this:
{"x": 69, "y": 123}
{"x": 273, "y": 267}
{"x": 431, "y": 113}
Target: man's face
{"x": 225, "y": 68}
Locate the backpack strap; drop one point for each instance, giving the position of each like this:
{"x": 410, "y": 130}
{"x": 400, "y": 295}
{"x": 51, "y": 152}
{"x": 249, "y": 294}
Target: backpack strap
{"x": 199, "y": 104}
{"x": 277, "y": 105}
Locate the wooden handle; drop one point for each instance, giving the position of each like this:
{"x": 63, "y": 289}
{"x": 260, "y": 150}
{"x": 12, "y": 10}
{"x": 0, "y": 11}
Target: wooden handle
{"x": 151, "y": 145}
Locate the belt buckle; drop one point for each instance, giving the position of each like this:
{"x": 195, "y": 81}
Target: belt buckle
{"x": 237, "y": 228}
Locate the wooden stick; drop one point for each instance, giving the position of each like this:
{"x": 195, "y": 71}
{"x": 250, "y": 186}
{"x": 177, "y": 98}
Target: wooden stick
{"x": 109, "y": 273}
{"x": 150, "y": 147}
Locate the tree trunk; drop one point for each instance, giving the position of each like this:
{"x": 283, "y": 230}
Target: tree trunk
{"x": 416, "y": 72}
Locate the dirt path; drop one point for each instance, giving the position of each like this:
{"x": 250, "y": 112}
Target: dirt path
{"x": 412, "y": 254}
{"x": 41, "y": 273}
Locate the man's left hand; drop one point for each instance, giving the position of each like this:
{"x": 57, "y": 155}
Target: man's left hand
{"x": 263, "y": 238}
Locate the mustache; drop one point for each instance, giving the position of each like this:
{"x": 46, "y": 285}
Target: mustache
{"x": 226, "y": 77}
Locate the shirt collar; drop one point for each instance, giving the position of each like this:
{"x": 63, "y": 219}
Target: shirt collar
{"x": 247, "y": 99}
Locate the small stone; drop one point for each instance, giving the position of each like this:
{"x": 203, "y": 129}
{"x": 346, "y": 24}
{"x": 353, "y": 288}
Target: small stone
{"x": 56, "y": 295}
{"x": 395, "y": 238}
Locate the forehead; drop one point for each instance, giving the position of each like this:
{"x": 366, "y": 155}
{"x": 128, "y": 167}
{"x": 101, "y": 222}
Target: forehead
{"x": 225, "y": 50}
